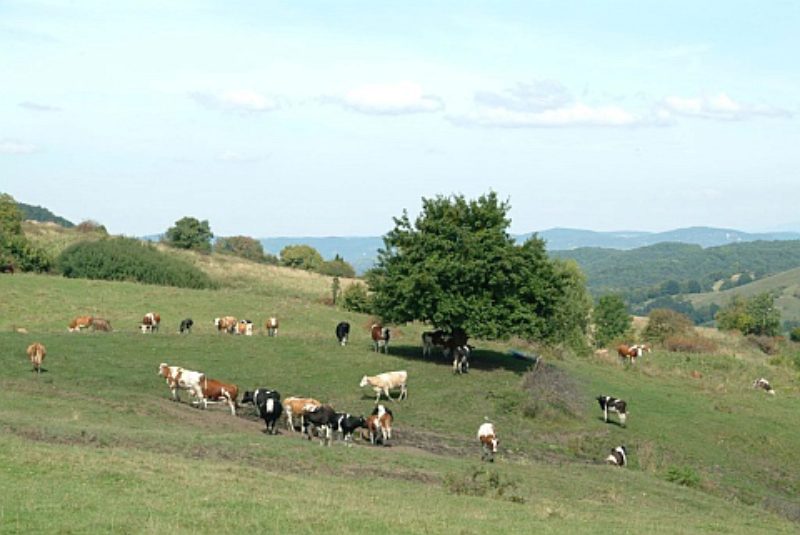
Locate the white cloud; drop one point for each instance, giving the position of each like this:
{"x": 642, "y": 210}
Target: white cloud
{"x": 719, "y": 107}
{"x": 35, "y": 106}
{"x": 239, "y": 100}
{"x": 390, "y": 99}
{"x": 11, "y": 146}
{"x": 545, "y": 104}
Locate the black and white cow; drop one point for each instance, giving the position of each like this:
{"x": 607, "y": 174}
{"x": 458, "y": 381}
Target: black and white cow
{"x": 346, "y": 424}
{"x": 461, "y": 359}
{"x": 342, "y": 332}
{"x": 321, "y": 419}
{"x": 618, "y": 457}
{"x": 186, "y": 325}
{"x": 431, "y": 339}
{"x": 610, "y": 404}
{"x": 764, "y": 385}
{"x": 268, "y": 403}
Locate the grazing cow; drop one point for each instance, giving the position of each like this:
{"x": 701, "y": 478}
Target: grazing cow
{"x": 489, "y": 441}
{"x": 294, "y": 406}
{"x": 380, "y": 337}
{"x": 186, "y": 326}
{"x": 610, "y": 404}
{"x": 320, "y": 418}
{"x": 268, "y": 403}
{"x": 383, "y": 382}
{"x": 346, "y": 424}
{"x": 632, "y": 352}
{"x": 431, "y": 339}
{"x": 218, "y": 392}
{"x": 618, "y": 457}
{"x": 101, "y": 324}
{"x": 379, "y": 425}
{"x": 36, "y": 353}
{"x": 244, "y": 327}
{"x": 225, "y": 324}
{"x": 180, "y": 378}
{"x": 272, "y": 326}
{"x": 461, "y": 359}
{"x": 764, "y": 384}
{"x": 7, "y": 268}
{"x": 342, "y": 332}
{"x": 151, "y": 320}
{"x": 79, "y": 323}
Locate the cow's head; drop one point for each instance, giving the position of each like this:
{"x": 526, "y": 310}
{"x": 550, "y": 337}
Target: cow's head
{"x": 363, "y": 382}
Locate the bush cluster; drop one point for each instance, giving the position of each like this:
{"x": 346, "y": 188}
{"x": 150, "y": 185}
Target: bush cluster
{"x": 483, "y": 482}
{"x": 664, "y": 323}
{"x": 552, "y": 393}
{"x": 355, "y": 298}
{"x": 128, "y": 259}
{"x": 689, "y": 344}
{"x": 767, "y": 344}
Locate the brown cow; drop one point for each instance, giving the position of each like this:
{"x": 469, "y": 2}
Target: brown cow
{"x": 297, "y": 407}
{"x": 244, "y": 327}
{"x": 218, "y": 392}
{"x": 380, "y": 337}
{"x": 151, "y": 322}
{"x": 36, "y": 354}
{"x": 101, "y": 324}
{"x": 226, "y": 324}
{"x": 632, "y": 352}
{"x": 79, "y": 323}
{"x": 272, "y": 326}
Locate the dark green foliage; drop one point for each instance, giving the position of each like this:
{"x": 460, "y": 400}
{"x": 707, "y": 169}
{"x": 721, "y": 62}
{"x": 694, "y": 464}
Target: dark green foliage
{"x": 337, "y": 268}
{"x": 91, "y": 226}
{"x": 794, "y": 335}
{"x": 15, "y": 248}
{"x": 356, "y": 299}
{"x": 664, "y": 323}
{"x": 756, "y": 315}
{"x": 39, "y": 213}
{"x": 190, "y": 233}
{"x": 611, "y": 319}
{"x": 483, "y": 482}
{"x": 128, "y": 259}
{"x": 683, "y": 475}
{"x": 301, "y": 257}
{"x": 457, "y": 266}
{"x": 244, "y": 247}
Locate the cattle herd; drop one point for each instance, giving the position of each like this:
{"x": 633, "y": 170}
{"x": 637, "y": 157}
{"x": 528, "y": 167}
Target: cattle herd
{"x": 309, "y": 416}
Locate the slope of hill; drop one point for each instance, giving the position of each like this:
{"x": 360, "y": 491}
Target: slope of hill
{"x": 41, "y": 214}
{"x": 97, "y": 426}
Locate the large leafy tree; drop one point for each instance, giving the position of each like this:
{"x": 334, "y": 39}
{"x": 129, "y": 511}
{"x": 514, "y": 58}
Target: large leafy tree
{"x": 14, "y": 246}
{"x": 457, "y": 266}
{"x": 301, "y": 257}
{"x": 190, "y": 233}
{"x": 611, "y": 319}
{"x": 756, "y": 315}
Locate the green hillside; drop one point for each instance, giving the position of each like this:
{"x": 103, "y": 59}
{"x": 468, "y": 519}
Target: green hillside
{"x": 95, "y": 445}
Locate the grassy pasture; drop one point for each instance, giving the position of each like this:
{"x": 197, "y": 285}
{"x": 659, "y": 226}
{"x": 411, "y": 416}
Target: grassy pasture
{"x": 95, "y": 445}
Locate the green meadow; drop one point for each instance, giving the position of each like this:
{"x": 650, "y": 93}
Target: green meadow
{"x": 94, "y": 444}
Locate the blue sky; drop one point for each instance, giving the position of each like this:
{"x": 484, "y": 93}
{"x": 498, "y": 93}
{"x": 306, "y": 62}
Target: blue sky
{"x": 331, "y": 117}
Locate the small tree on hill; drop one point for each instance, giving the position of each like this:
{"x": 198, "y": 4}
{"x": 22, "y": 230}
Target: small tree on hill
{"x": 301, "y": 257}
{"x": 611, "y": 319}
{"x": 664, "y": 323}
{"x": 242, "y": 246}
{"x": 14, "y": 245}
{"x": 757, "y": 315}
{"x": 190, "y": 233}
{"x": 337, "y": 268}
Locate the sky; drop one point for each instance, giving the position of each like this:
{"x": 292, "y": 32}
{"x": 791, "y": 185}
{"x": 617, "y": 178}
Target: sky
{"x": 329, "y": 118}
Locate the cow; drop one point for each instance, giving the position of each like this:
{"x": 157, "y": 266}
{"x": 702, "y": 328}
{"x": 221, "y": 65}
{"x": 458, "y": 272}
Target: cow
{"x": 268, "y": 404}
{"x": 225, "y": 324}
{"x": 244, "y": 327}
{"x": 7, "y": 268}
{"x": 380, "y": 337}
{"x": 379, "y": 425}
{"x": 79, "y": 323}
{"x": 346, "y": 424}
{"x": 461, "y": 359}
{"x": 320, "y": 418}
{"x": 101, "y": 324}
{"x": 632, "y": 352}
{"x": 36, "y": 353}
{"x": 215, "y": 391}
{"x": 294, "y": 406}
{"x": 618, "y": 457}
{"x": 151, "y": 320}
{"x": 186, "y": 326}
{"x": 272, "y": 326}
{"x": 342, "y": 332}
{"x": 611, "y": 404}
{"x": 180, "y": 378}
{"x": 764, "y": 384}
{"x": 431, "y": 339}
{"x": 384, "y": 382}
{"x": 488, "y": 440}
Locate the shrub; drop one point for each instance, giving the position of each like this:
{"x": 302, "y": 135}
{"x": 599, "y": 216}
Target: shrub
{"x": 794, "y": 335}
{"x": 356, "y": 299}
{"x": 552, "y": 393}
{"x": 483, "y": 482}
{"x": 689, "y": 344}
{"x": 664, "y": 323}
{"x": 91, "y": 226}
{"x": 683, "y": 475}
{"x": 129, "y": 259}
{"x": 767, "y": 344}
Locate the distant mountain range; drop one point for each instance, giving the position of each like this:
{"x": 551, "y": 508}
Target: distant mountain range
{"x": 361, "y": 252}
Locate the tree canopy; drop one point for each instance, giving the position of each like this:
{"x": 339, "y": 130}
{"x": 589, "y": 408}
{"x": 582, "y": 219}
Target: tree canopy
{"x": 245, "y": 247}
{"x": 190, "y": 233}
{"x": 611, "y": 319}
{"x": 301, "y": 257}
{"x": 457, "y": 266}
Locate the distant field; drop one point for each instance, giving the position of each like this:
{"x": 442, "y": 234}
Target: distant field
{"x": 94, "y": 444}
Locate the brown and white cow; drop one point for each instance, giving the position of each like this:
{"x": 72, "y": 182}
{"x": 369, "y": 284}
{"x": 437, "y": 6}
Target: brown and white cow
{"x": 225, "y": 324}
{"x": 764, "y": 385}
{"x": 380, "y": 337}
{"x": 181, "y": 378}
{"x": 36, "y": 353}
{"x": 489, "y": 441}
{"x": 150, "y": 322}
{"x": 79, "y": 323}
{"x": 215, "y": 391}
{"x": 244, "y": 327}
{"x": 379, "y": 425}
{"x": 271, "y": 325}
{"x": 632, "y": 352}
{"x": 295, "y": 406}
